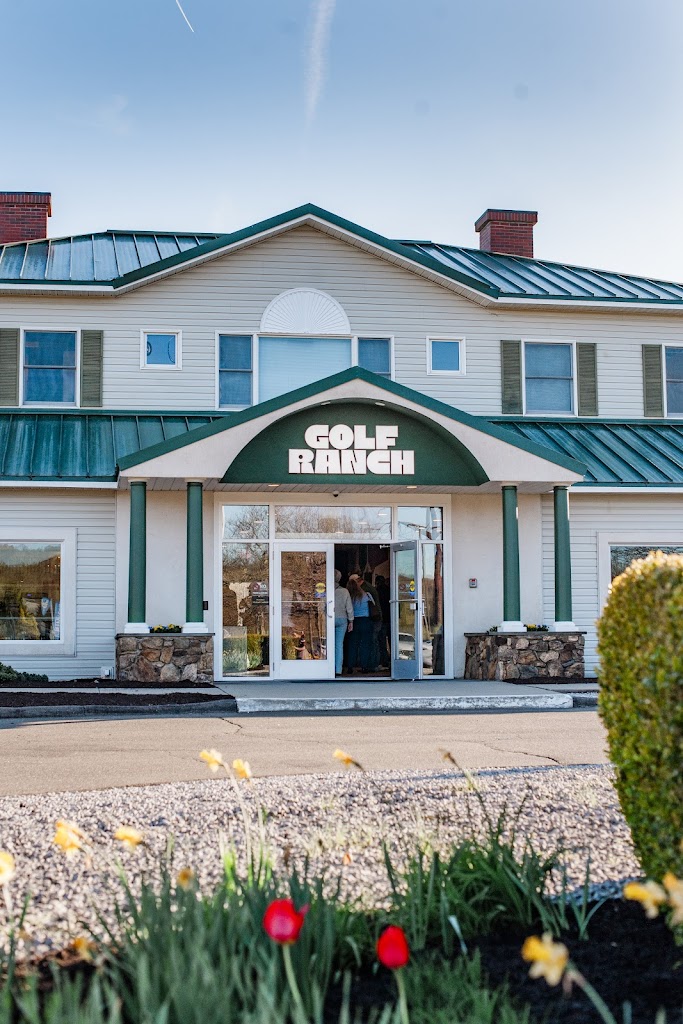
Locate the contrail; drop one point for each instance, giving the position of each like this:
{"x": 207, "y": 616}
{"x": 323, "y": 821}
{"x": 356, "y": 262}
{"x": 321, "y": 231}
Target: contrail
{"x": 184, "y": 15}
{"x": 323, "y": 12}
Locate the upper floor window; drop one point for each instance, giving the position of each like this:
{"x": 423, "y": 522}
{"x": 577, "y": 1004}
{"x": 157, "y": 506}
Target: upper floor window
{"x": 255, "y": 370}
{"x": 674, "y": 381}
{"x": 49, "y": 367}
{"x": 160, "y": 350}
{"x": 446, "y": 355}
{"x": 549, "y": 377}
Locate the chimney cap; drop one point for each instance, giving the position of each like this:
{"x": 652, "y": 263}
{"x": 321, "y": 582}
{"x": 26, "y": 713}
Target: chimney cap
{"x": 510, "y": 216}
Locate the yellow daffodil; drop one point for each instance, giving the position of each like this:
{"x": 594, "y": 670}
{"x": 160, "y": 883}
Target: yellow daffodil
{"x": 69, "y": 838}
{"x": 347, "y": 760}
{"x": 347, "y": 859}
{"x": 674, "y": 887}
{"x": 185, "y": 878}
{"x": 241, "y": 768}
{"x": 83, "y": 947}
{"x": 7, "y": 871}
{"x": 649, "y": 894}
{"x": 213, "y": 759}
{"x": 548, "y": 959}
{"x": 130, "y": 837}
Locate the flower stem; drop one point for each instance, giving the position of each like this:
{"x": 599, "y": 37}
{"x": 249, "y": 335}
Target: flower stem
{"x": 597, "y": 1001}
{"x": 294, "y": 988}
{"x": 402, "y": 1001}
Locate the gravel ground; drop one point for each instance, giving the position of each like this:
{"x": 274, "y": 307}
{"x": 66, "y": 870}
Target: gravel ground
{"x": 326, "y": 817}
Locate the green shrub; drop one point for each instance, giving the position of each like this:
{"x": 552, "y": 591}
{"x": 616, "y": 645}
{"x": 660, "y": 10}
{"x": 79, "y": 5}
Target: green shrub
{"x": 640, "y": 646}
{"x": 10, "y": 675}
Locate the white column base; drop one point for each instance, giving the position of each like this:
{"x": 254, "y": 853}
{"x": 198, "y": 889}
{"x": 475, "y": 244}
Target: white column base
{"x": 136, "y": 627}
{"x": 562, "y": 627}
{"x": 195, "y": 627}
{"x": 512, "y": 627}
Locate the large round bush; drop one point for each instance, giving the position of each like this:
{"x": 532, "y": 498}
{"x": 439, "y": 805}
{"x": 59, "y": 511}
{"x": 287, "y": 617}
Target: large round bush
{"x": 640, "y": 643}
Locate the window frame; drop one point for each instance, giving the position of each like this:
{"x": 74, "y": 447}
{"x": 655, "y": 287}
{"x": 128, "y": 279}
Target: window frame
{"x": 255, "y": 396}
{"x": 571, "y": 342}
{"x": 66, "y": 645}
{"x": 665, "y": 345}
{"x": 41, "y": 329}
{"x": 178, "y": 365}
{"x": 628, "y": 538}
{"x": 462, "y": 372}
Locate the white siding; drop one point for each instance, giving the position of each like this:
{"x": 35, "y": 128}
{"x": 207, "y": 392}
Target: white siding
{"x": 93, "y": 516}
{"x": 231, "y": 293}
{"x": 638, "y": 516}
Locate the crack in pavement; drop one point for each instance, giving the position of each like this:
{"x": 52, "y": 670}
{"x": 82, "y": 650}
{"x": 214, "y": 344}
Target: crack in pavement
{"x": 526, "y": 753}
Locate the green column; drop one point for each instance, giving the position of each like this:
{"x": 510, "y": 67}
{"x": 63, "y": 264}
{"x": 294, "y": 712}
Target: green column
{"x": 563, "y": 562}
{"x": 137, "y": 563}
{"x": 511, "y": 599}
{"x": 194, "y": 604}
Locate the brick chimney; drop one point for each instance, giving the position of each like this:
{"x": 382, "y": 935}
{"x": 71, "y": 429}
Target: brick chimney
{"x": 23, "y": 216}
{"x": 507, "y": 231}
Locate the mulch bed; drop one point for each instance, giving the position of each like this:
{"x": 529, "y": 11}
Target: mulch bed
{"x": 44, "y": 700}
{"x": 63, "y": 684}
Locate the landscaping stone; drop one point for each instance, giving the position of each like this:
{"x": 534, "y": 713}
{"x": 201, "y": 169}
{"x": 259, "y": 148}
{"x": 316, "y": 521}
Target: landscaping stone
{"x": 512, "y": 657}
{"x": 160, "y": 659}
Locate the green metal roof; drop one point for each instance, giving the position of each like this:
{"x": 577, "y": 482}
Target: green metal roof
{"x": 633, "y": 453}
{"x": 118, "y": 258}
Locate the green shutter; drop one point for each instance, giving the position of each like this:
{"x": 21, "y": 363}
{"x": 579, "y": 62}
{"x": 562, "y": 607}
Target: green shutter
{"x": 9, "y": 366}
{"x": 653, "y": 386}
{"x": 91, "y": 369}
{"x": 587, "y": 378}
{"x": 511, "y": 376}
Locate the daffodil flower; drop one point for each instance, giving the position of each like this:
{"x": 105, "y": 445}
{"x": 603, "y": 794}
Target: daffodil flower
{"x": 69, "y": 838}
{"x": 130, "y": 837}
{"x": 213, "y": 759}
{"x": 548, "y": 959}
{"x": 7, "y": 869}
{"x": 83, "y": 947}
{"x": 674, "y": 887}
{"x": 185, "y": 877}
{"x": 241, "y": 768}
{"x": 347, "y": 760}
{"x": 649, "y": 894}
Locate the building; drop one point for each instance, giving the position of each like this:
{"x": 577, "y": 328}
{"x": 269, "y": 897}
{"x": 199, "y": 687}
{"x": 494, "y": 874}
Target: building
{"x": 198, "y": 429}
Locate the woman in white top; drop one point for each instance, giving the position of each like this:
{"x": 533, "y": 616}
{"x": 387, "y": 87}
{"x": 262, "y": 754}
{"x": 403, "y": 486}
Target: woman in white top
{"x": 343, "y": 620}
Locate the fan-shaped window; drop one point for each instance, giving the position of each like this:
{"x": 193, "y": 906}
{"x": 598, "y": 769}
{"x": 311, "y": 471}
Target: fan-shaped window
{"x": 305, "y": 311}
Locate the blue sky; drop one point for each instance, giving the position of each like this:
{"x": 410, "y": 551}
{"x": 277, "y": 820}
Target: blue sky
{"x": 408, "y": 116}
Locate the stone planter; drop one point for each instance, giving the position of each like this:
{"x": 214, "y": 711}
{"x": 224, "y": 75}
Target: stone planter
{"x": 518, "y": 657}
{"x": 165, "y": 659}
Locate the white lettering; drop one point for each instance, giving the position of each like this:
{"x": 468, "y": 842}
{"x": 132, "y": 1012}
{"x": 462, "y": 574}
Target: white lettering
{"x": 354, "y": 463}
{"x": 317, "y": 436}
{"x": 379, "y": 462}
{"x": 327, "y": 462}
{"x": 402, "y": 463}
{"x": 341, "y": 436}
{"x": 300, "y": 460}
{"x": 386, "y": 436}
{"x": 361, "y": 439}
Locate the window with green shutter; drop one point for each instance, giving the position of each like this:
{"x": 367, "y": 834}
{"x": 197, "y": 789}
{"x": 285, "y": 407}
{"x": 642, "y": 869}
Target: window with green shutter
{"x": 9, "y": 366}
{"x": 511, "y": 376}
{"x": 653, "y": 381}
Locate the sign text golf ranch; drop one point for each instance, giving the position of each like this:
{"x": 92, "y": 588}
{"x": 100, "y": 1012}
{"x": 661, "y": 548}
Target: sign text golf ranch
{"x": 343, "y": 449}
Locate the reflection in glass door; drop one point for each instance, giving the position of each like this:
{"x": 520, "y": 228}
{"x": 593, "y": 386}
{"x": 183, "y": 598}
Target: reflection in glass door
{"x": 406, "y": 623}
{"x": 304, "y": 612}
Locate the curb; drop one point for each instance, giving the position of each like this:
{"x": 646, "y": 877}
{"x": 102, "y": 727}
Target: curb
{"x": 208, "y": 708}
{"x": 542, "y": 702}
{"x": 584, "y": 700}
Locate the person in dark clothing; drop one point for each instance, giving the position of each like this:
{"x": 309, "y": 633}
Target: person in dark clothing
{"x": 360, "y": 641}
{"x": 384, "y": 638}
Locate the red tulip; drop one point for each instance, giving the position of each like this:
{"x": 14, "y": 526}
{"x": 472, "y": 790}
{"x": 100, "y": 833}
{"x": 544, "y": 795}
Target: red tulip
{"x": 283, "y": 922}
{"x": 392, "y": 948}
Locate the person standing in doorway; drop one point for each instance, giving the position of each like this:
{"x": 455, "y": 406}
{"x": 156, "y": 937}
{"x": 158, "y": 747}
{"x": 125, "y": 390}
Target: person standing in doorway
{"x": 361, "y": 639}
{"x": 382, "y": 585}
{"x": 343, "y": 620}
{"x": 375, "y": 617}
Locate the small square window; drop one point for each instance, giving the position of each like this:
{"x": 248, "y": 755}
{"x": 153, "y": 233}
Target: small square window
{"x": 161, "y": 350}
{"x": 375, "y": 354}
{"x": 445, "y": 355}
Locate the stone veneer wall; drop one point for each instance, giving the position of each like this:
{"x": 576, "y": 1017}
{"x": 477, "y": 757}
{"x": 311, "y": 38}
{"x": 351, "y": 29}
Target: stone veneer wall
{"x": 515, "y": 657}
{"x": 161, "y": 659}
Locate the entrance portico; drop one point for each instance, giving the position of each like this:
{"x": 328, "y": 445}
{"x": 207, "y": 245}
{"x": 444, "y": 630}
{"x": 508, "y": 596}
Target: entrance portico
{"x": 354, "y": 440}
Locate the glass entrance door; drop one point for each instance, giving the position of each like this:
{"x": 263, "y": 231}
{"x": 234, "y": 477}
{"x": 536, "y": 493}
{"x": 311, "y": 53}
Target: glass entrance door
{"x": 406, "y": 620}
{"x": 304, "y": 611}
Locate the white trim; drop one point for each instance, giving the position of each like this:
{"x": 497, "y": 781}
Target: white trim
{"x": 77, "y": 331}
{"x": 575, "y": 395}
{"x": 343, "y": 325}
{"x": 588, "y": 489}
{"x": 136, "y": 627}
{"x": 66, "y": 645}
{"x": 620, "y": 538}
{"x": 446, "y": 373}
{"x": 178, "y": 365}
{"x": 562, "y": 627}
{"x": 511, "y": 627}
{"x": 19, "y": 484}
{"x": 195, "y": 627}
